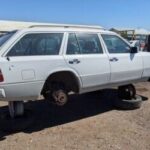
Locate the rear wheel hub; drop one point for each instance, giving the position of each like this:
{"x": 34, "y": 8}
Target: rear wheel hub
{"x": 60, "y": 97}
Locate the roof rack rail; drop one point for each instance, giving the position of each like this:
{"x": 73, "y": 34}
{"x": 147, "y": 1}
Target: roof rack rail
{"x": 66, "y": 26}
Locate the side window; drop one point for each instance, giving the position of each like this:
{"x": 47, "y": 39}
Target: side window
{"x": 84, "y": 43}
{"x": 89, "y": 43}
{"x": 73, "y": 46}
{"x": 115, "y": 44}
{"x": 37, "y": 44}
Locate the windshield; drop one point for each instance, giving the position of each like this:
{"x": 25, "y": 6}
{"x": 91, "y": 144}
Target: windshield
{"x": 5, "y": 37}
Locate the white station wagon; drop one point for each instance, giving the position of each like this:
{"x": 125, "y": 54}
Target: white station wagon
{"x": 58, "y": 60}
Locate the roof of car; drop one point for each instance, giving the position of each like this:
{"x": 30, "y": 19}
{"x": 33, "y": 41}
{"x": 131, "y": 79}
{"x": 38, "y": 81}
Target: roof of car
{"x": 65, "y": 28}
{"x": 17, "y": 25}
{"x": 6, "y": 26}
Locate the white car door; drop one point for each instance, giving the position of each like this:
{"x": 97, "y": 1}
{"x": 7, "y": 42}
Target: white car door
{"x": 125, "y": 66}
{"x": 85, "y": 55}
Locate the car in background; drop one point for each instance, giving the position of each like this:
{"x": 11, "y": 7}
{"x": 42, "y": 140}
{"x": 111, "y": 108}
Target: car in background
{"x": 135, "y": 43}
{"x": 147, "y": 45}
{"x": 140, "y": 44}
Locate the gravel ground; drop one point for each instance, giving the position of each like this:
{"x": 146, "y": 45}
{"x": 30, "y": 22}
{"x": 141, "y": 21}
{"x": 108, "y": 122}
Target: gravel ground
{"x": 87, "y": 122}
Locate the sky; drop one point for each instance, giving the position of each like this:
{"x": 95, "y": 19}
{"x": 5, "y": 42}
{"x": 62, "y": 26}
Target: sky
{"x": 107, "y": 13}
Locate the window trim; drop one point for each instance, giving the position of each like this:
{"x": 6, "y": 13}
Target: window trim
{"x": 34, "y": 32}
{"x": 113, "y": 34}
{"x": 76, "y": 32}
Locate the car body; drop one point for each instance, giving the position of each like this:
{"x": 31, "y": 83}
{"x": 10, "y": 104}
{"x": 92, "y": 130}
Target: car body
{"x": 84, "y": 58}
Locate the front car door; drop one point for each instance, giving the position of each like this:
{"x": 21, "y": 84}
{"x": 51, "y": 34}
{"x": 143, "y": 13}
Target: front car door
{"x": 85, "y": 55}
{"x": 125, "y": 66}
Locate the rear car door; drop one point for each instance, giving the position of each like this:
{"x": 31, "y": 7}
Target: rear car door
{"x": 125, "y": 66}
{"x": 85, "y": 55}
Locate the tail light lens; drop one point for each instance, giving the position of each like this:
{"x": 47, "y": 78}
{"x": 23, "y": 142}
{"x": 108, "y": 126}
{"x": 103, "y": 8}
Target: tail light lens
{"x": 1, "y": 76}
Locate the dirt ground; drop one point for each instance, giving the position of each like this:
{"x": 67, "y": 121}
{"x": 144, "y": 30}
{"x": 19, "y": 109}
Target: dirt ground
{"x": 87, "y": 122}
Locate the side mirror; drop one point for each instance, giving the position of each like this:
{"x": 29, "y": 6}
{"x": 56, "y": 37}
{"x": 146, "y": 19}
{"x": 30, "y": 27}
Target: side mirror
{"x": 134, "y": 50}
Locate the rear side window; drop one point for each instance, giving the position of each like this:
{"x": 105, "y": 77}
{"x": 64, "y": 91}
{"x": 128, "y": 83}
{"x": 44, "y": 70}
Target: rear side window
{"x": 37, "y": 44}
{"x": 83, "y": 43}
{"x": 4, "y": 38}
{"x": 115, "y": 44}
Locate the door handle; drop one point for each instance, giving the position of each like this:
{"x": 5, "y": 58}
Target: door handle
{"x": 114, "y": 59}
{"x": 74, "y": 61}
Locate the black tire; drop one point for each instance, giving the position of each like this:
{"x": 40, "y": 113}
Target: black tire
{"x": 46, "y": 95}
{"x": 130, "y": 104}
{"x": 127, "y": 92}
{"x": 19, "y": 123}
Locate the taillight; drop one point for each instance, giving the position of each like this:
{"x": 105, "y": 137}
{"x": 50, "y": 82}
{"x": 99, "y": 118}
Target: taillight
{"x": 1, "y": 76}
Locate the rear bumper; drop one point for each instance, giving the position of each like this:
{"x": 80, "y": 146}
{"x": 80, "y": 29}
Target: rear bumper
{"x": 21, "y": 91}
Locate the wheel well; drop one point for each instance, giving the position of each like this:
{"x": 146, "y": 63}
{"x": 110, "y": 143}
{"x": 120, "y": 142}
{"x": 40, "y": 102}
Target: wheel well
{"x": 67, "y": 78}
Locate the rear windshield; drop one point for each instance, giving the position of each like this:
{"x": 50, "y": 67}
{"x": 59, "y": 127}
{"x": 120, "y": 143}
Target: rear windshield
{"x": 4, "y": 38}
